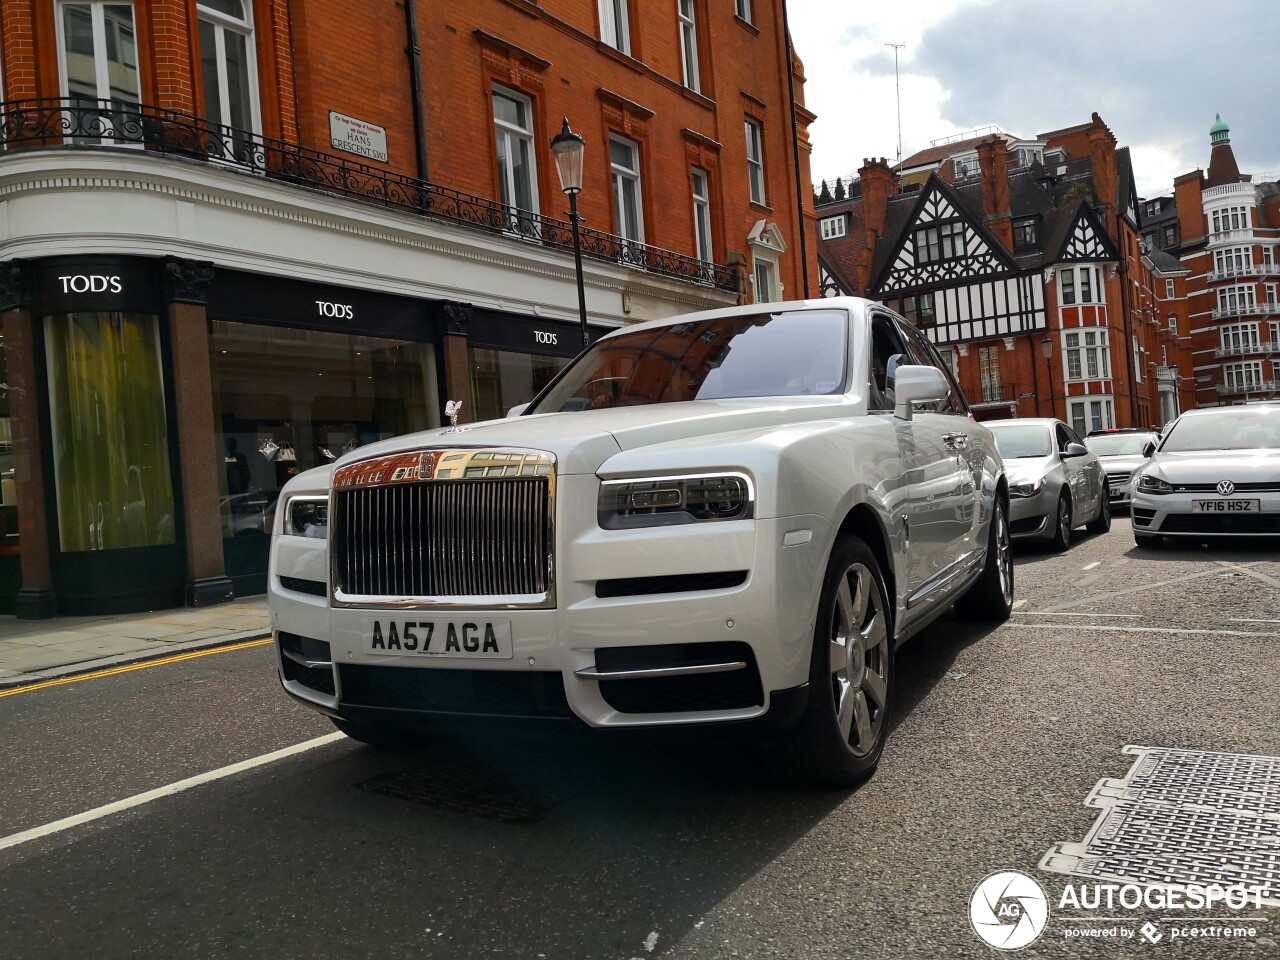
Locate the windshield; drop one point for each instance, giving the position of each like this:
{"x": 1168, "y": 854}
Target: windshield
{"x": 786, "y": 354}
{"x": 1023, "y": 440}
{"x": 1225, "y": 430}
{"x": 1119, "y": 444}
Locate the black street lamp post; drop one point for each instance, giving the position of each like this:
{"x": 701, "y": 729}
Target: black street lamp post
{"x": 568, "y": 148}
{"x": 1046, "y": 347}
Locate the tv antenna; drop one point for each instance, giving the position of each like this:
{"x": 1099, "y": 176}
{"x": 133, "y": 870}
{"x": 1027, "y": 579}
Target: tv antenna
{"x": 897, "y": 92}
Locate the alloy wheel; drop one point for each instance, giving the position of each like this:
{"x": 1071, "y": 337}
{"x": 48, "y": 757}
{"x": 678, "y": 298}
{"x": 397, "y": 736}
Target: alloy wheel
{"x": 859, "y": 659}
{"x": 1064, "y": 521}
{"x": 1004, "y": 555}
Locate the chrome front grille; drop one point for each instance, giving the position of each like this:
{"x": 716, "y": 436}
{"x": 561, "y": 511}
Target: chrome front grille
{"x": 400, "y": 532}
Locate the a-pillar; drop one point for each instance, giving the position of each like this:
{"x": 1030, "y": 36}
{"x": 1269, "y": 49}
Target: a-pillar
{"x": 36, "y": 598}
{"x": 186, "y": 286}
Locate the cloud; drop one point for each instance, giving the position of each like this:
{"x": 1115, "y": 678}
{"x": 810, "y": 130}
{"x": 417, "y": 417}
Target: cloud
{"x": 1156, "y": 70}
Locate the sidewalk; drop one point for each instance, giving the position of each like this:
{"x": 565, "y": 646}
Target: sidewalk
{"x": 35, "y": 650}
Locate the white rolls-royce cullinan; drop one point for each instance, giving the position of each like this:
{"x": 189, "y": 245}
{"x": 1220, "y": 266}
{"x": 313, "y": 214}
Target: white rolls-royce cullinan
{"x": 729, "y": 516}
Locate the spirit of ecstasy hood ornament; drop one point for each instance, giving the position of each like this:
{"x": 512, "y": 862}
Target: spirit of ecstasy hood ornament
{"x": 451, "y": 410}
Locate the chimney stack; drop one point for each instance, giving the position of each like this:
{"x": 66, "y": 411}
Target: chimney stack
{"x": 878, "y": 185}
{"x": 993, "y": 168}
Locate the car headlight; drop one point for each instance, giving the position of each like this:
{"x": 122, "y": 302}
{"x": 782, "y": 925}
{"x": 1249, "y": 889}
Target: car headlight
{"x": 307, "y": 517}
{"x": 1028, "y": 489}
{"x": 1150, "y": 484}
{"x": 663, "y": 501}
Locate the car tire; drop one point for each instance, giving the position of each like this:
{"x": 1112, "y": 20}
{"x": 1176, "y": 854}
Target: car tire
{"x": 1148, "y": 541}
{"x": 840, "y": 736}
{"x": 1062, "y": 522}
{"x": 991, "y": 598}
{"x": 1102, "y": 522}
{"x": 374, "y": 734}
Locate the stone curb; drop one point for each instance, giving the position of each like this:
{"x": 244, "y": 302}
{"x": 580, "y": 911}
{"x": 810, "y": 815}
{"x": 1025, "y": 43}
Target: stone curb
{"x": 159, "y": 652}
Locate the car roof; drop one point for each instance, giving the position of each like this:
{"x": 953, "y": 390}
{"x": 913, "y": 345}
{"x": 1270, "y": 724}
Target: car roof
{"x": 1035, "y": 421}
{"x": 1267, "y": 410}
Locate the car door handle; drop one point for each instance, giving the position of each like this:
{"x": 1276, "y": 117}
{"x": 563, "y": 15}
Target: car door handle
{"x": 956, "y": 441}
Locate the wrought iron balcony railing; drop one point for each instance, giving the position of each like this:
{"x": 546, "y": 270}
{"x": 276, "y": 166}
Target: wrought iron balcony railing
{"x": 1260, "y": 348}
{"x": 997, "y": 393}
{"x": 74, "y": 122}
{"x": 1259, "y": 388}
{"x": 1246, "y": 310}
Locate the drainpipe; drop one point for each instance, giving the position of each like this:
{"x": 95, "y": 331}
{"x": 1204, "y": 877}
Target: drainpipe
{"x": 415, "y": 80}
{"x": 795, "y": 151}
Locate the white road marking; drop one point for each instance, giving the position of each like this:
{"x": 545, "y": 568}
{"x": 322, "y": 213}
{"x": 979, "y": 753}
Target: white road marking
{"x": 1063, "y": 613}
{"x": 1243, "y": 620}
{"x": 1214, "y": 571}
{"x": 1018, "y": 603}
{"x": 57, "y": 826}
{"x": 1092, "y": 626}
{"x": 1096, "y": 563}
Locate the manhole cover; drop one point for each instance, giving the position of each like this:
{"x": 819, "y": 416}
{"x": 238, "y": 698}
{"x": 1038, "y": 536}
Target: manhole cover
{"x": 1183, "y": 816}
{"x": 471, "y": 789}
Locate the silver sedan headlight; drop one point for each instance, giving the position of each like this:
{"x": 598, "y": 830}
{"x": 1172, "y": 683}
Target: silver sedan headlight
{"x": 1150, "y": 484}
{"x": 1027, "y": 489}
{"x": 307, "y": 517}
{"x": 663, "y": 501}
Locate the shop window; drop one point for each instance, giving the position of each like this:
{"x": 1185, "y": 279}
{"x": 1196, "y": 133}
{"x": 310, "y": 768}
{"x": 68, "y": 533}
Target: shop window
{"x": 230, "y": 73}
{"x": 289, "y": 400}
{"x": 110, "y": 436}
{"x": 502, "y": 379}
{"x": 99, "y": 70}
{"x": 8, "y": 480}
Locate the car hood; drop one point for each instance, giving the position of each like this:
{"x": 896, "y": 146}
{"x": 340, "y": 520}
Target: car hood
{"x": 1212, "y": 466}
{"x": 1028, "y": 469}
{"x": 583, "y": 440}
{"x": 1122, "y": 463}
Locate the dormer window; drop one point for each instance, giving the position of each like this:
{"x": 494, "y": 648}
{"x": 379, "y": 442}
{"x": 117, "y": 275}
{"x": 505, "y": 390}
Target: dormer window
{"x": 1026, "y": 234}
{"x": 1153, "y": 208}
{"x": 1026, "y": 156}
{"x": 833, "y": 227}
{"x": 965, "y": 167}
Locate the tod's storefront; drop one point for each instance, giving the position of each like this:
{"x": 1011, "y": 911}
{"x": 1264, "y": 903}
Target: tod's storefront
{"x": 151, "y": 410}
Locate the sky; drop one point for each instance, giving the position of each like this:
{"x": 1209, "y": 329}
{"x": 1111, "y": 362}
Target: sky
{"x": 1156, "y": 71}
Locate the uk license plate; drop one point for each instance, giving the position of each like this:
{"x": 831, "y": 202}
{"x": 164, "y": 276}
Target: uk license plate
{"x": 454, "y": 639}
{"x": 1226, "y": 506}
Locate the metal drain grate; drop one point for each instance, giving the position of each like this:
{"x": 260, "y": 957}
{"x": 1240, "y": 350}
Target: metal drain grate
{"x": 1183, "y": 816}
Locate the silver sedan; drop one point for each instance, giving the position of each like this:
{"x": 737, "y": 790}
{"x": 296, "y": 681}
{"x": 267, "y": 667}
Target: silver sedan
{"x": 1055, "y": 483}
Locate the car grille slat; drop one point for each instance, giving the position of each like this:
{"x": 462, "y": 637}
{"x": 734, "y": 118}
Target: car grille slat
{"x": 463, "y": 538}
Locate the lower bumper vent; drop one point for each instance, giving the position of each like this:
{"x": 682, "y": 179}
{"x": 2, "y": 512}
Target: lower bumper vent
{"x": 306, "y": 661}
{"x": 683, "y": 583}
{"x": 472, "y": 692}
{"x": 730, "y": 690}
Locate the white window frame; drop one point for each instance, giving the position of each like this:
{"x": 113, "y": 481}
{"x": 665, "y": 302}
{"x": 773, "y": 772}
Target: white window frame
{"x": 1268, "y": 255}
{"x": 515, "y": 224}
{"x": 1086, "y": 354}
{"x": 1173, "y": 324}
{"x": 101, "y": 64}
{"x": 742, "y": 9}
{"x": 223, "y": 23}
{"x": 1092, "y": 412}
{"x": 1170, "y": 292}
{"x": 687, "y": 17}
{"x": 765, "y": 268}
{"x": 833, "y": 227}
{"x": 1240, "y": 337}
{"x": 1137, "y": 360}
{"x": 989, "y": 382}
{"x": 1241, "y": 295}
{"x": 1271, "y": 295}
{"x": 619, "y": 173}
{"x": 615, "y": 25}
{"x": 1274, "y": 327}
{"x": 1243, "y": 375}
{"x": 755, "y": 161}
{"x": 700, "y": 188}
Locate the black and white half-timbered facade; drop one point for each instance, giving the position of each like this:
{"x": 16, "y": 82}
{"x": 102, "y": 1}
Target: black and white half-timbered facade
{"x": 953, "y": 277}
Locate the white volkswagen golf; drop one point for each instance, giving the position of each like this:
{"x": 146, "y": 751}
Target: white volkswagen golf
{"x": 1215, "y": 473}
{"x": 731, "y": 516}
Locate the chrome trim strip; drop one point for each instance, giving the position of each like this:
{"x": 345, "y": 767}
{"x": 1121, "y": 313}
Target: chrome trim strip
{"x": 299, "y": 658}
{"x": 591, "y": 673}
{"x": 944, "y": 576}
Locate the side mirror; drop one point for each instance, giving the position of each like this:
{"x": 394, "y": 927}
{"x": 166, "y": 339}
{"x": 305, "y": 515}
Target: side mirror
{"x": 916, "y": 383}
{"x": 518, "y": 409}
{"x": 1149, "y": 449}
{"x": 1075, "y": 450}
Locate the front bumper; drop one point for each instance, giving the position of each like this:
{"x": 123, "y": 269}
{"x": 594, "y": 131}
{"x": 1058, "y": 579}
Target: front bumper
{"x": 768, "y": 619}
{"x": 1030, "y": 518}
{"x": 1170, "y": 515}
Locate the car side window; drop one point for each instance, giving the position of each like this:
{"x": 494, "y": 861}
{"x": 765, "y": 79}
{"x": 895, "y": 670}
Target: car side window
{"x": 887, "y": 351}
{"x": 1060, "y": 433}
{"x": 1073, "y": 437}
{"x": 923, "y": 353}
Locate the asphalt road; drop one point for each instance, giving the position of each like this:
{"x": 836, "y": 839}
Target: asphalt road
{"x": 512, "y": 844}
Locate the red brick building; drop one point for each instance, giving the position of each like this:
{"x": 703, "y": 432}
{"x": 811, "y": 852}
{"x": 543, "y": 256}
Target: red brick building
{"x": 1021, "y": 260}
{"x": 307, "y": 224}
{"x": 1225, "y": 230}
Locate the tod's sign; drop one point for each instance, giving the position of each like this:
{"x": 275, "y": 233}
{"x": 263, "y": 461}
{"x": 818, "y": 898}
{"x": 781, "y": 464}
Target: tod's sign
{"x": 92, "y": 284}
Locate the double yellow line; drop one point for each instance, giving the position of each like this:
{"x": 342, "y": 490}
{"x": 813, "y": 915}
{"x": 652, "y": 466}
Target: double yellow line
{"x": 145, "y": 665}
